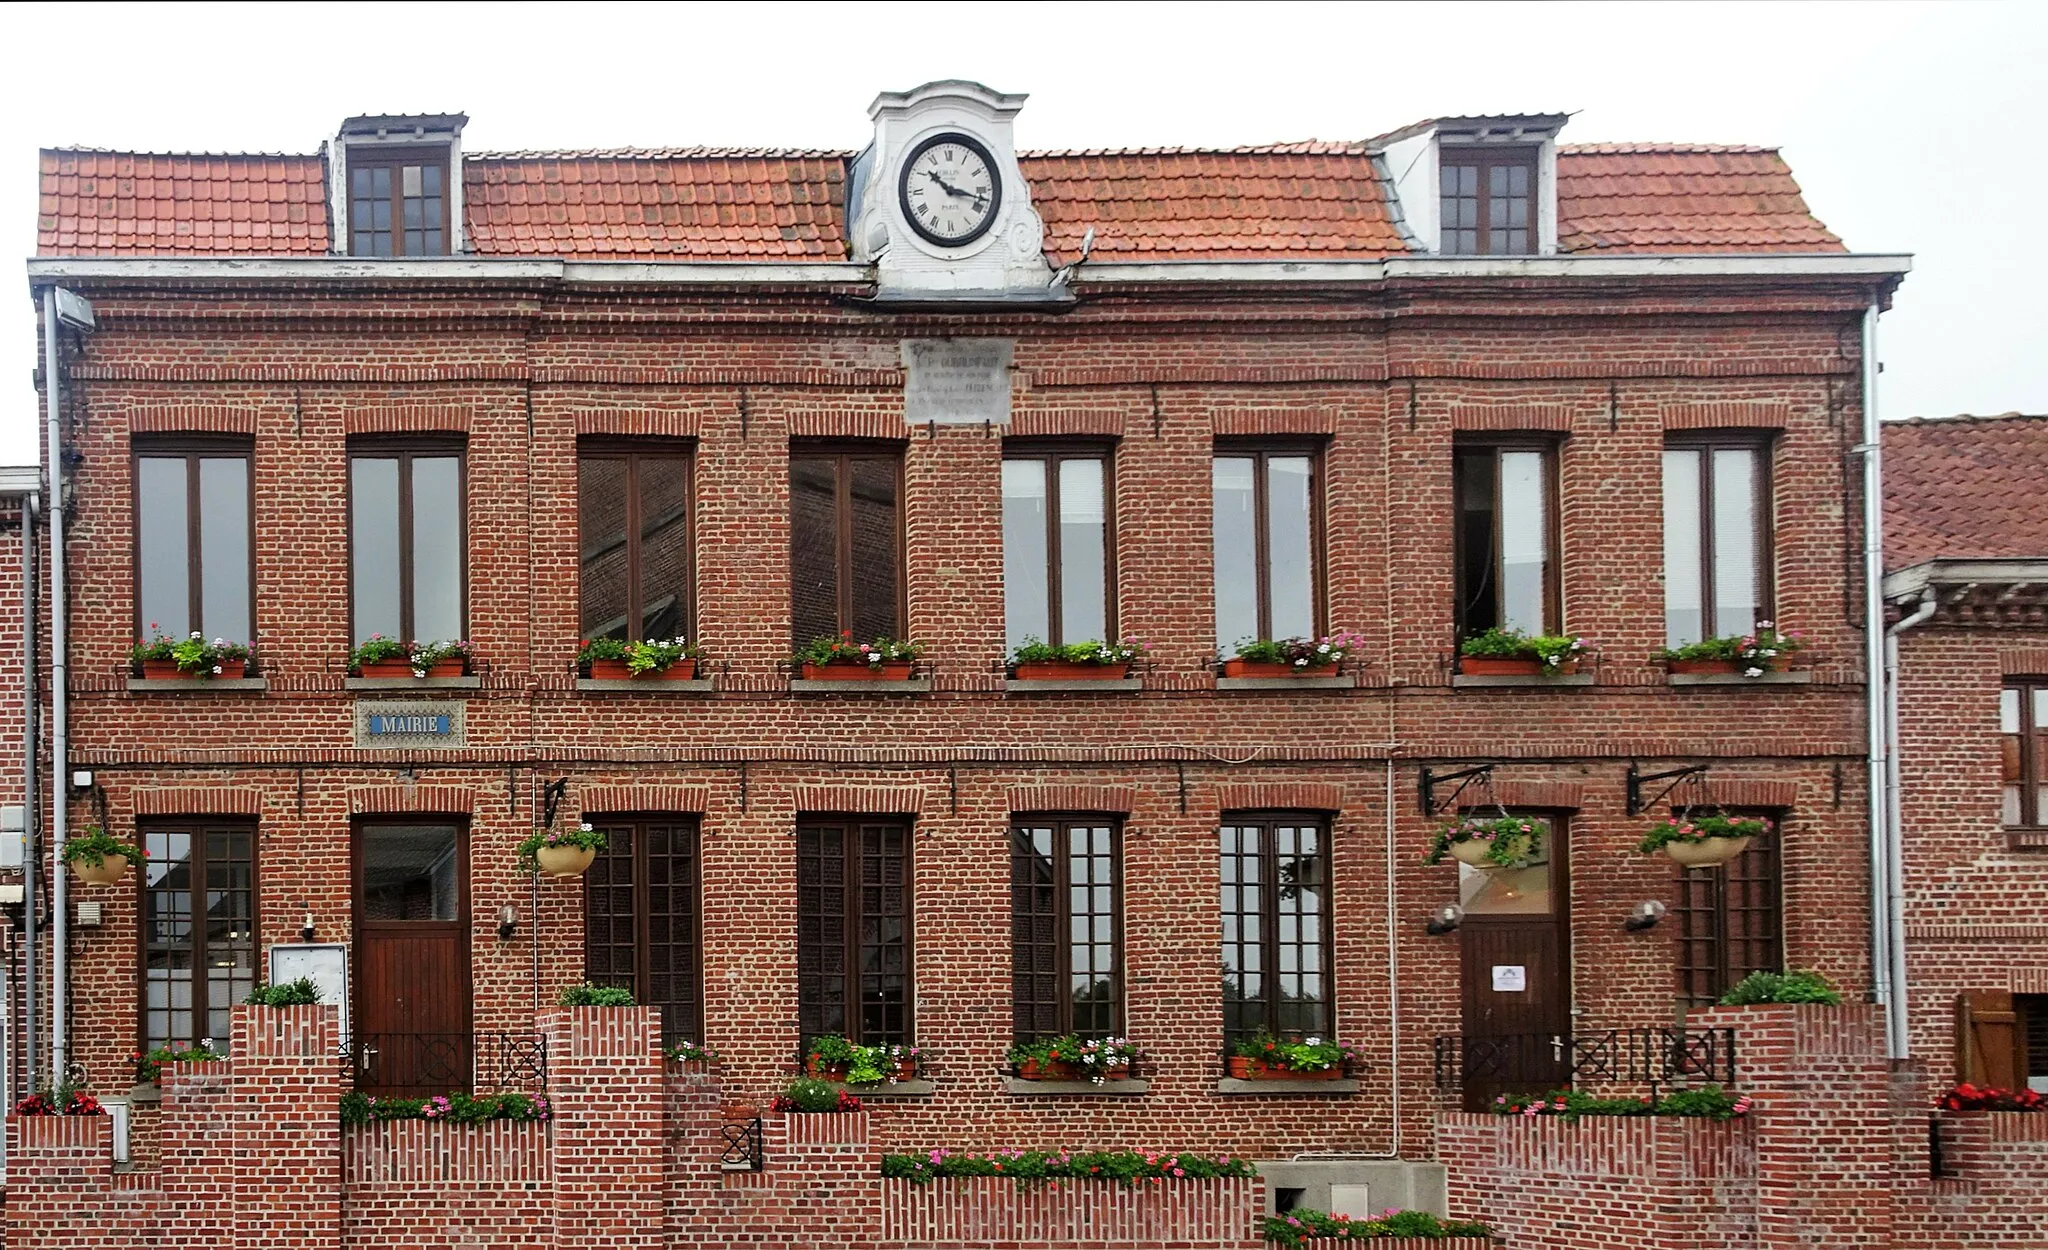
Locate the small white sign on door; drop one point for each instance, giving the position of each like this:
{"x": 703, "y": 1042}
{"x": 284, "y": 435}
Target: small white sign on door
{"x": 1510, "y": 978}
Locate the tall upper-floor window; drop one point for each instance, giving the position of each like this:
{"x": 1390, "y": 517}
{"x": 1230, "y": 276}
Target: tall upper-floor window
{"x": 1717, "y": 538}
{"x": 1506, "y": 539}
{"x": 633, "y": 510}
{"x": 1057, "y": 583}
{"x": 1266, "y": 542}
{"x": 2023, "y": 724}
{"x": 193, "y": 547}
{"x": 406, "y": 540}
{"x": 198, "y": 930}
{"x": 853, "y": 953}
{"x": 1487, "y": 204}
{"x": 1066, "y": 970}
{"x": 846, "y": 543}
{"x": 1275, "y": 874}
{"x": 398, "y": 202}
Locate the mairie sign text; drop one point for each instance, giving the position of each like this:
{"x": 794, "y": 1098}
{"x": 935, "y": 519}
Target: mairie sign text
{"x": 432, "y": 723}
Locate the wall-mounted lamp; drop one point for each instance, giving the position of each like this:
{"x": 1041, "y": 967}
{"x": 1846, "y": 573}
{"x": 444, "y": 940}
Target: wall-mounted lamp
{"x": 306, "y": 929}
{"x": 1644, "y": 915}
{"x": 1446, "y": 921}
{"x": 81, "y": 780}
{"x": 508, "y": 922}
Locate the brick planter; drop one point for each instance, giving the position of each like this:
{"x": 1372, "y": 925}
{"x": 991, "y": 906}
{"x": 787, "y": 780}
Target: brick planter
{"x": 979, "y": 1211}
{"x": 1400, "y": 1243}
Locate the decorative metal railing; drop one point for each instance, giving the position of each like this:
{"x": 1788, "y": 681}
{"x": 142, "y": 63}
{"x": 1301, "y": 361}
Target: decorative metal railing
{"x": 741, "y": 1141}
{"x": 1655, "y": 1057}
{"x": 418, "y": 1065}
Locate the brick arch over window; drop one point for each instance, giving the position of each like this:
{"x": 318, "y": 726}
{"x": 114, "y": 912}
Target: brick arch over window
{"x": 411, "y": 800}
{"x": 1071, "y": 798}
{"x": 198, "y": 801}
{"x": 1295, "y": 796}
{"x": 691, "y": 799}
{"x": 868, "y": 800}
{"x": 193, "y": 419}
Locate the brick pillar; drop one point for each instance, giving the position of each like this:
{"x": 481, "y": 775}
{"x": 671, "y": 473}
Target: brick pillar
{"x": 1824, "y": 1132}
{"x": 831, "y": 1173}
{"x": 59, "y": 1177}
{"x": 195, "y": 1153}
{"x": 286, "y": 1117}
{"x": 606, "y": 1090}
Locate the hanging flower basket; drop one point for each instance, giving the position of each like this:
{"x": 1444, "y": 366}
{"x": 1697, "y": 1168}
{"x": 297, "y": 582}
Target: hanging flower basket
{"x": 1503, "y": 842}
{"x": 103, "y": 871}
{"x": 99, "y": 857}
{"x": 562, "y": 852}
{"x": 1703, "y": 841}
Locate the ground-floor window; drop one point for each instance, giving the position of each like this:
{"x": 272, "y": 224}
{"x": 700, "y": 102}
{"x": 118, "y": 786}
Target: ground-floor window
{"x": 1066, "y": 970}
{"x": 641, "y": 918}
{"x": 198, "y": 930}
{"x": 1275, "y": 876}
{"x": 1729, "y": 920}
{"x": 853, "y": 928}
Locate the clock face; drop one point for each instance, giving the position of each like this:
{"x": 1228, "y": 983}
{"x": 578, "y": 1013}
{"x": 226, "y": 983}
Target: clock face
{"x": 950, "y": 190}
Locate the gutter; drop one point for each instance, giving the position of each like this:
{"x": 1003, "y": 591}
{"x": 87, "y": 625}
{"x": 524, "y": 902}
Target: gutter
{"x": 1895, "y": 825}
{"x": 60, "y": 901}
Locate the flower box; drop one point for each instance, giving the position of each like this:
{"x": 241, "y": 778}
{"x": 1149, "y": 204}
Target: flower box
{"x": 819, "y": 1071}
{"x": 385, "y": 668}
{"x": 1061, "y": 1070}
{"x": 447, "y": 668}
{"x": 1270, "y": 668}
{"x": 1069, "y": 670}
{"x": 1247, "y": 1068}
{"x": 105, "y": 870}
{"x": 168, "y": 670}
{"x": 1722, "y": 668}
{"x": 618, "y": 670}
{"x": 893, "y": 670}
{"x": 1498, "y": 666}
{"x": 564, "y": 861}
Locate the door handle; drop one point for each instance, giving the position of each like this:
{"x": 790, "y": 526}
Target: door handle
{"x": 366, "y": 1058}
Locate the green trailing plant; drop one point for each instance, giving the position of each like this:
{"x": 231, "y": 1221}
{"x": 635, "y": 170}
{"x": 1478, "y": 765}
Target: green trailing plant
{"x": 1699, "y": 829}
{"x": 690, "y": 1052}
{"x": 1118, "y": 653}
{"x": 299, "y": 993}
{"x": 377, "y": 649}
{"x": 1553, "y": 651}
{"x": 813, "y": 1097}
{"x": 588, "y": 995}
{"x": 601, "y": 649}
{"x": 863, "y": 1065}
{"x": 149, "y": 1065}
{"x": 1302, "y": 1224}
{"x": 426, "y": 655}
{"x": 358, "y": 1108}
{"x": 1503, "y": 836}
{"x": 645, "y": 656}
{"x": 582, "y": 837}
{"x": 1757, "y": 651}
{"x": 1709, "y": 1102}
{"x": 1308, "y": 1054}
{"x": 844, "y": 650}
{"x": 1794, "y": 986}
{"x": 94, "y": 843}
{"x": 1126, "y": 1167}
{"x": 192, "y": 653}
{"x": 1096, "y": 1058}
{"x": 1327, "y": 651}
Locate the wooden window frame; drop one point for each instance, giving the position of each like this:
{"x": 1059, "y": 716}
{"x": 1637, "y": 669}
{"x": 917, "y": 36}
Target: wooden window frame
{"x": 192, "y": 450}
{"x": 395, "y": 158}
{"x": 1713, "y": 912}
{"x": 405, "y": 451}
{"x": 1269, "y": 921}
{"x": 1553, "y": 529}
{"x": 197, "y": 830}
{"x": 2031, "y": 779}
{"x": 1260, "y": 451}
{"x": 1052, "y": 455}
{"x": 632, "y": 453}
{"x": 1762, "y": 447}
{"x": 849, "y": 825}
{"x": 843, "y": 453}
{"x": 1061, "y": 823}
{"x": 642, "y": 916}
{"x": 1486, "y": 158}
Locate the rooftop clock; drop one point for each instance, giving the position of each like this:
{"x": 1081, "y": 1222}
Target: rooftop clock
{"x": 949, "y": 189}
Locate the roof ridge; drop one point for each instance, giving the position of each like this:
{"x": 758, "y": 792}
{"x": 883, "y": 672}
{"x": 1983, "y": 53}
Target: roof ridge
{"x": 1289, "y": 147}
{"x": 1655, "y": 148}
{"x": 1968, "y": 416}
{"x": 79, "y": 149}
{"x": 658, "y": 154}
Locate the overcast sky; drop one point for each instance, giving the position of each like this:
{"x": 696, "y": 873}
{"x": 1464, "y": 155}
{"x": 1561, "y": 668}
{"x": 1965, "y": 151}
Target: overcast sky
{"x": 1912, "y": 127}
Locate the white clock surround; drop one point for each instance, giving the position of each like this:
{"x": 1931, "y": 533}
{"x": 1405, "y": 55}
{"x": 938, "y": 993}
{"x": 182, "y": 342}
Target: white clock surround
{"x": 1005, "y": 263}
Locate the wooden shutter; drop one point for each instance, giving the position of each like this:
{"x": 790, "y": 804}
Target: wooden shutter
{"x": 1987, "y": 1040}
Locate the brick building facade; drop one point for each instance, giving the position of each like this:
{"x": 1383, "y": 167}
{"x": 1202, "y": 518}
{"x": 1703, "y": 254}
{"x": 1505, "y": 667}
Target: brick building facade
{"x": 1629, "y": 422}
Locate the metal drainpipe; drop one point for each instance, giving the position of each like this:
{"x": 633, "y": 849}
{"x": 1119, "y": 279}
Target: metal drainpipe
{"x": 60, "y": 917}
{"x": 1874, "y": 685}
{"x": 31, "y": 812}
{"x": 1895, "y": 828}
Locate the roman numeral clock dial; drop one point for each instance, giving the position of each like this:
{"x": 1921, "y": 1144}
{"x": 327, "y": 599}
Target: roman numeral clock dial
{"x": 949, "y": 190}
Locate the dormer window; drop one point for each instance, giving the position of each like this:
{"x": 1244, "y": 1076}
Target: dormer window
{"x": 398, "y": 202}
{"x": 1487, "y": 204}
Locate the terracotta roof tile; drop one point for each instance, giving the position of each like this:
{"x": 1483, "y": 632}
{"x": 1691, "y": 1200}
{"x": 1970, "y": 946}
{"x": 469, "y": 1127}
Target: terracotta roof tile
{"x": 142, "y": 203}
{"x": 1965, "y": 488}
{"x": 1658, "y": 198}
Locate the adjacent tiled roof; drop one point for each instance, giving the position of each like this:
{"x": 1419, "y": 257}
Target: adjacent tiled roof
{"x": 1307, "y": 199}
{"x": 1619, "y": 197}
{"x": 163, "y": 204}
{"x": 1965, "y": 488}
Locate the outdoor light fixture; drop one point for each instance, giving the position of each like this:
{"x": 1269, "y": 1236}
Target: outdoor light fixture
{"x": 81, "y": 780}
{"x": 1645, "y": 915}
{"x": 306, "y": 929}
{"x": 508, "y": 922}
{"x": 1446, "y": 921}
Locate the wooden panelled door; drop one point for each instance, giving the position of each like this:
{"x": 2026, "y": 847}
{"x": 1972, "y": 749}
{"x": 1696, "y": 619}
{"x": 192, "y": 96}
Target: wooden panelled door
{"x": 1516, "y": 952}
{"x": 411, "y": 1017}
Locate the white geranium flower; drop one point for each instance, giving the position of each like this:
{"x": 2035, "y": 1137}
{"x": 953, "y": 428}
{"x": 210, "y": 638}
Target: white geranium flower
{"x": 1752, "y": 672}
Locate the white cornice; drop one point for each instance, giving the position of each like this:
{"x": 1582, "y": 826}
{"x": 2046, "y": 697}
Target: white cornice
{"x": 1771, "y": 265}
{"x": 1910, "y": 581}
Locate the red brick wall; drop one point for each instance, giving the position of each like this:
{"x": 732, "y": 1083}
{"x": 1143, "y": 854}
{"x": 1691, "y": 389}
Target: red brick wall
{"x": 413, "y": 1184}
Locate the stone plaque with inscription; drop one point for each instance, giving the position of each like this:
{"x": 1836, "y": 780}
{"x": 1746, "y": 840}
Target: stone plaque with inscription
{"x": 956, "y": 381}
{"x": 386, "y": 723}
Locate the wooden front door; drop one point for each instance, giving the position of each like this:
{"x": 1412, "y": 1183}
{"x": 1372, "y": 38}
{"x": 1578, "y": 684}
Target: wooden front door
{"x": 1516, "y": 951}
{"x": 411, "y": 1017}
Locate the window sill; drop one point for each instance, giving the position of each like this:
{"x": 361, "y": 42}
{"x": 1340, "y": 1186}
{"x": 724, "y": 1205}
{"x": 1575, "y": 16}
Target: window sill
{"x": 1075, "y": 1089}
{"x": 1056, "y": 686}
{"x": 2026, "y": 839}
{"x": 910, "y": 685}
{"x": 915, "y": 1088}
{"x": 412, "y": 683}
{"x": 1461, "y": 682}
{"x": 628, "y": 685}
{"x": 197, "y": 685}
{"x": 1286, "y": 1089}
{"x": 1798, "y": 677}
{"x": 1339, "y": 682}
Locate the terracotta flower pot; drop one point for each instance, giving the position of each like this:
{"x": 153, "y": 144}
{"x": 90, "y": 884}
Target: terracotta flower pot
{"x": 609, "y": 670}
{"x": 1705, "y": 667}
{"x": 447, "y": 668}
{"x": 1474, "y": 851}
{"x": 160, "y": 670}
{"x": 104, "y": 871}
{"x": 1067, "y": 670}
{"x": 1057, "y": 1070}
{"x": 233, "y": 669}
{"x": 1273, "y": 668}
{"x": 894, "y": 670}
{"x": 1707, "y": 852}
{"x": 820, "y": 1071}
{"x": 385, "y": 668}
{"x": 1498, "y": 666}
{"x": 684, "y": 669}
{"x": 1248, "y": 1068}
{"x": 564, "y": 861}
